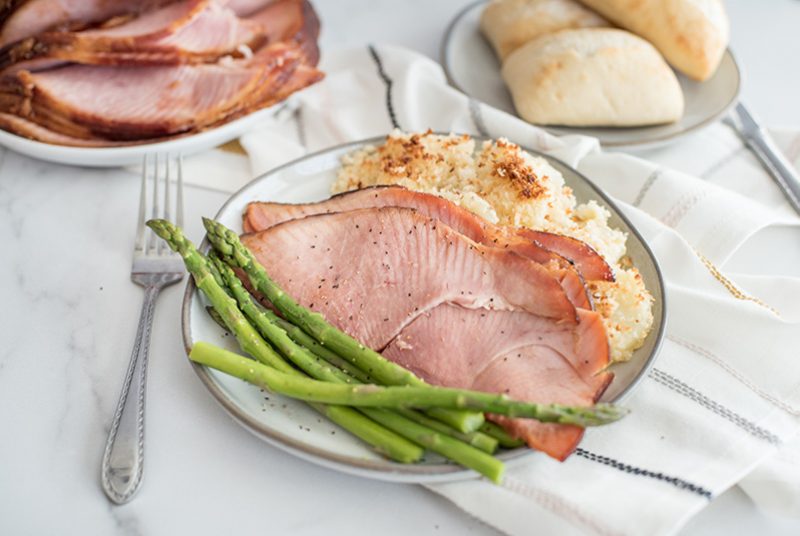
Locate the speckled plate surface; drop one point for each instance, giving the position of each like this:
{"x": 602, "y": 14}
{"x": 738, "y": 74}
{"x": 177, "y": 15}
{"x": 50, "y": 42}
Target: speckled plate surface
{"x": 472, "y": 67}
{"x": 293, "y": 426}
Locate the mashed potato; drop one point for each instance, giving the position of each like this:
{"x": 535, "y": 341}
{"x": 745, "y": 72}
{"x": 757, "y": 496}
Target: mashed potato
{"x": 505, "y": 185}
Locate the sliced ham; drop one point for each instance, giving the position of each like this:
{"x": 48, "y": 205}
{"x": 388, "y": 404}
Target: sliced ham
{"x": 517, "y": 353}
{"x": 302, "y": 77}
{"x": 373, "y": 271}
{"x": 147, "y": 102}
{"x": 290, "y": 20}
{"x": 24, "y": 18}
{"x": 243, "y": 8}
{"x": 154, "y": 69}
{"x": 192, "y": 31}
{"x": 28, "y": 129}
{"x": 262, "y": 215}
{"x": 591, "y": 264}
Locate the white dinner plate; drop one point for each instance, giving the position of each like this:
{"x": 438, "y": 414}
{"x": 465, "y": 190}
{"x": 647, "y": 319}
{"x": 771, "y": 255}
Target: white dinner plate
{"x": 133, "y": 154}
{"x": 472, "y": 67}
{"x": 291, "y": 425}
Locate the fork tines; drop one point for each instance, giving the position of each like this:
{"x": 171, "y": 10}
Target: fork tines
{"x": 161, "y": 171}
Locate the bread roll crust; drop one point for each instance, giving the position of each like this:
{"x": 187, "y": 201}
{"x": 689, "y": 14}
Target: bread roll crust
{"x": 509, "y": 24}
{"x": 691, "y": 34}
{"x": 592, "y": 77}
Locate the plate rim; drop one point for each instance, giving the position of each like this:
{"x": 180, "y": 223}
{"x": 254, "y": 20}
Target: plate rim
{"x": 444, "y": 47}
{"x": 409, "y": 473}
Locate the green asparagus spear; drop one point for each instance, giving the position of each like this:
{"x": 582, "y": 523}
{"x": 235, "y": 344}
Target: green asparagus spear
{"x": 266, "y": 322}
{"x": 400, "y": 396}
{"x": 271, "y": 327}
{"x": 304, "y": 339}
{"x": 501, "y": 436}
{"x": 227, "y": 244}
{"x": 479, "y": 440}
{"x": 381, "y": 439}
{"x": 310, "y": 363}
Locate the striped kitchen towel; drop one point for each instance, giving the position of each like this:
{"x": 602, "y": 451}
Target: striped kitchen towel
{"x": 723, "y": 400}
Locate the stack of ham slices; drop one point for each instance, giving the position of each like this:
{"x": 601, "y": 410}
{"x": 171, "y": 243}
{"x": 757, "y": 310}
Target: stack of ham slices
{"x": 100, "y": 73}
{"x": 457, "y": 300}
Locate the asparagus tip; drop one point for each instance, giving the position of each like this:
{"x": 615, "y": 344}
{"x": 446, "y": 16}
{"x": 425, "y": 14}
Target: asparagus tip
{"x": 157, "y": 225}
{"x": 608, "y": 413}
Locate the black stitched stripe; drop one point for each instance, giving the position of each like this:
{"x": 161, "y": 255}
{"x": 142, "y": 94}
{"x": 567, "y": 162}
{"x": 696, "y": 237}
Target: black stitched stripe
{"x": 626, "y": 468}
{"x": 693, "y": 394}
{"x": 476, "y": 115}
{"x": 388, "y": 82}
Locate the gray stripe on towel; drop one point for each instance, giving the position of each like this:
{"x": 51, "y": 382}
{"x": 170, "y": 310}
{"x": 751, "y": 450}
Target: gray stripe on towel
{"x": 648, "y": 183}
{"x": 715, "y": 407}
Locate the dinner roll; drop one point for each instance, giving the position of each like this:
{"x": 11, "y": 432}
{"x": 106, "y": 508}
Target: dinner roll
{"x": 592, "y": 77}
{"x": 691, "y": 34}
{"x": 509, "y": 24}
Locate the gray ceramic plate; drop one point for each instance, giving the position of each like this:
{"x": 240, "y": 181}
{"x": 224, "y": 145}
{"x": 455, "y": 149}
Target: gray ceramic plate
{"x": 293, "y": 426}
{"x": 472, "y": 67}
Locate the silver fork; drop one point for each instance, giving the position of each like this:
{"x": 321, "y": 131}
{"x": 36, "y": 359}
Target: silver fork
{"x": 155, "y": 266}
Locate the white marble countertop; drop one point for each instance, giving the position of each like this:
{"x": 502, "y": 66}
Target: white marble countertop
{"x": 68, "y": 323}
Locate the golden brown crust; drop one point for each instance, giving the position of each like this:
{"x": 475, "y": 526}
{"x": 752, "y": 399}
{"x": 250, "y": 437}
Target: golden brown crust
{"x": 691, "y": 34}
{"x": 509, "y": 24}
{"x": 514, "y": 169}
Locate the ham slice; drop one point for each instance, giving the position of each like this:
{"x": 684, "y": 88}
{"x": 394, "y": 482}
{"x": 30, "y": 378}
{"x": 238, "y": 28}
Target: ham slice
{"x": 513, "y": 352}
{"x": 373, "y": 271}
{"x": 192, "y": 31}
{"x": 302, "y": 77}
{"x": 25, "y": 18}
{"x": 293, "y": 21}
{"x": 590, "y": 263}
{"x": 148, "y": 102}
{"x": 262, "y": 215}
{"x": 244, "y": 8}
{"x": 28, "y": 129}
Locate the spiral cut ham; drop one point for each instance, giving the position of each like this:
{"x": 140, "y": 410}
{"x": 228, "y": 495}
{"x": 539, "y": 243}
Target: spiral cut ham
{"x": 174, "y": 69}
{"x": 458, "y": 301}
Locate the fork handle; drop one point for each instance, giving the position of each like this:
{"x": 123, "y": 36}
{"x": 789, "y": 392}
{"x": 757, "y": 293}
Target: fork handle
{"x": 123, "y": 458}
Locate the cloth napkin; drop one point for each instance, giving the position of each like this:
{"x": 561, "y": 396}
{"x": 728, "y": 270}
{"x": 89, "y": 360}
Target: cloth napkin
{"x": 723, "y": 400}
